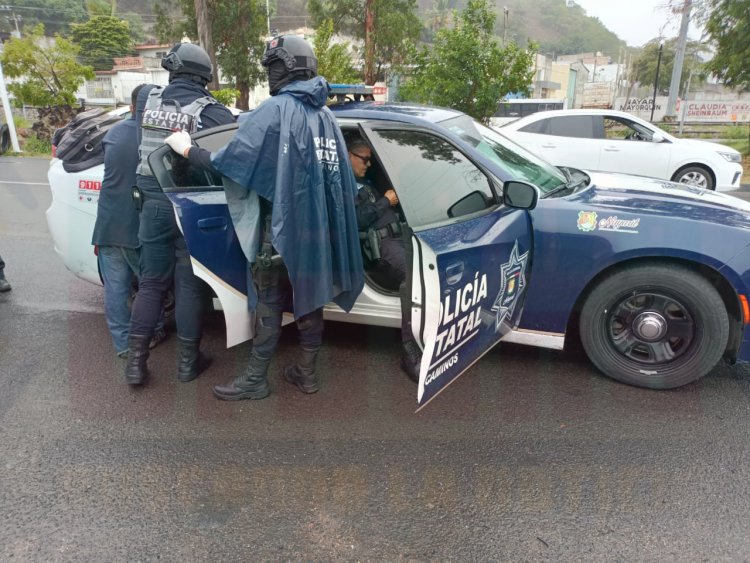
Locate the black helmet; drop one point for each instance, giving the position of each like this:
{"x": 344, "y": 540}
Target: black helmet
{"x": 186, "y": 58}
{"x": 293, "y": 51}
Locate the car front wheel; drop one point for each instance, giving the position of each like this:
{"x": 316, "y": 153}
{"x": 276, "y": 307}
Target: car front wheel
{"x": 655, "y": 326}
{"x": 694, "y": 176}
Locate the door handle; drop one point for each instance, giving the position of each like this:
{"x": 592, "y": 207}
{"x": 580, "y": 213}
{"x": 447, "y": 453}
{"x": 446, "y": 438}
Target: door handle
{"x": 611, "y": 149}
{"x": 549, "y": 146}
{"x": 454, "y": 273}
{"x": 212, "y": 224}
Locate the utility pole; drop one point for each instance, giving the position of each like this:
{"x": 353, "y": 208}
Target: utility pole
{"x": 8, "y": 112}
{"x": 679, "y": 58}
{"x": 506, "y": 12}
{"x": 205, "y": 38}
{"x": 656, "y": 80}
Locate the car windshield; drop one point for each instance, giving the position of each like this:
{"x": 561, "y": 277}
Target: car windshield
{"x": 518, "y": 163}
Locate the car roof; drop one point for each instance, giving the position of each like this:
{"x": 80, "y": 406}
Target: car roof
{"x": 558, "y": 112}
{"x": 393, "y": 111}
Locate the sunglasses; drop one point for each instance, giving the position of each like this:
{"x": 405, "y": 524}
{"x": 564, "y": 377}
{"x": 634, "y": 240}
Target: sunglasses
{"x": 365, "y": 159}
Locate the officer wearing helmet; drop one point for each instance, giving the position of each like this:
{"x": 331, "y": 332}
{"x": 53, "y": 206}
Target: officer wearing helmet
{"x": 164, "y": 258}
{"x": 290, "y": 191}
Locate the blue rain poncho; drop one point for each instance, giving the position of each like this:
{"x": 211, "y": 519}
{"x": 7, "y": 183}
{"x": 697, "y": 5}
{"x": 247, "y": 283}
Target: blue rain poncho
{"x": 290, "y": 151}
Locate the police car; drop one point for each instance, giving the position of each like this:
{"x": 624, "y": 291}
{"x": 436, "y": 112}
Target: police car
{"x": 652, "y": 276}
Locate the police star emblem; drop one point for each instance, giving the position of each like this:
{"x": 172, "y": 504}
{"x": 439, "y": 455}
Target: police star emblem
{"x": 512, "y": 284}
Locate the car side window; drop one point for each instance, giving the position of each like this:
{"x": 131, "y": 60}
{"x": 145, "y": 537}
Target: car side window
{"x": 536, "y": 127}
{"x": 183, "y": 174}
{"x": 620, "y": 129}
{"x": 578, "y": 126}
{"x": 430, "y": 176}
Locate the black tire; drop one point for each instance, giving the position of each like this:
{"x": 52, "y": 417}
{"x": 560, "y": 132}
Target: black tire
{"x": 695, "y": 175}
{"x": 654, "y": 326}
{"x": 4, "y": 139}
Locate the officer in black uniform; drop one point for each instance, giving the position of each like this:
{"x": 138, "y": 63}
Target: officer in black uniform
{"x": 377, "y": 212}
{"x": 164, "y": 256}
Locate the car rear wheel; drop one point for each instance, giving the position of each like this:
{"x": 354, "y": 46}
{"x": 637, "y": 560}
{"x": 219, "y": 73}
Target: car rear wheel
{"x": 695, "y": 176}
{"x": 654, "y": 326}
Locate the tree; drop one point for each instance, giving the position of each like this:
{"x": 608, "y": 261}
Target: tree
{"x": 466, "y": 69}
{"x": 728, "y": 27}
{"x": 238, "y": 28}
{"x": 51, "y": 73}
{"x": 643, "y": 69}
{"x": 388, "y": 29}
{"x": 102, "y": 38}
{"x": 55, "y": 15}
{"x": 334, "y": 61}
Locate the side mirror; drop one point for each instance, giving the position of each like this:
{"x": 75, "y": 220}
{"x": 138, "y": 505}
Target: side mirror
{"x": 520, "y": 195}
{"x": 471, "y": 203}
{"x": 657, "y": 138}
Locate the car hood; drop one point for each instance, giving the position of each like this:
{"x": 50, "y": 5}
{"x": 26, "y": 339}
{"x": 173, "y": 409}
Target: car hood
{"x": 705, "y": 146}
{"x": 638, "y": 194}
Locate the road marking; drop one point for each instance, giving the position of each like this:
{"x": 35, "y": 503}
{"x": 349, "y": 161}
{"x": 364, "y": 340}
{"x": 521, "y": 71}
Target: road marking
{"x": 24, "y": 183}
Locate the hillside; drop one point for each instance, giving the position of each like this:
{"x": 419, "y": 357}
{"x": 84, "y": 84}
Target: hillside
{"x": 557, "y": 28}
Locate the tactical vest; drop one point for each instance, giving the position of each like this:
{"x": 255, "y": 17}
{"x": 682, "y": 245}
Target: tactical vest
{"x": 161, "y": 118}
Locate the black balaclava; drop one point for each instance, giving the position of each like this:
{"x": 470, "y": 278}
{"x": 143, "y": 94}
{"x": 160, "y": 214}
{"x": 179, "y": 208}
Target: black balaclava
{"x": 279, "y": 76}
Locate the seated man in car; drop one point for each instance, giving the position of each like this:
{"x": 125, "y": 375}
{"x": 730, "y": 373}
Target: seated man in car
{"x": 377, "y": 212}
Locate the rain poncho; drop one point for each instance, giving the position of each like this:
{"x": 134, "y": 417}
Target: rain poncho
{"x": 290, "y": 151}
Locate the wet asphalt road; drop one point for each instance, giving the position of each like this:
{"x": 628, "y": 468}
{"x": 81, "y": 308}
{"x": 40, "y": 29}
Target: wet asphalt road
{"x": 531, "y": 456}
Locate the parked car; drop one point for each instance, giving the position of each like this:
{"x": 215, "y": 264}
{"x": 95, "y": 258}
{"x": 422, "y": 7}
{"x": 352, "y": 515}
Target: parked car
{"x": 652, "y": 276}
{"x": 615, "y": 141}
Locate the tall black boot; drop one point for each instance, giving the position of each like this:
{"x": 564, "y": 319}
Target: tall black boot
{"x": 191, "y": 360}
{"x": 411, "y": 357}
{"x": 135, "y": 369}
{"x": 253, "y": 384}
{"x": 302, "y": 374}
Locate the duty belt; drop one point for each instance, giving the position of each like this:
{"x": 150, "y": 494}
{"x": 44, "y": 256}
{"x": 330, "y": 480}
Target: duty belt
{"x": 390, "y": 230}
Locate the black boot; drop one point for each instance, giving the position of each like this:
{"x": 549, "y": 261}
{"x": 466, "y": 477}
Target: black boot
{"x": 253, "y": 384}
{"x": 302, "y": 374}
{"x": 411, "y": 357}
{"x": 135, "y": 369}
{"x": 191, "y": 360}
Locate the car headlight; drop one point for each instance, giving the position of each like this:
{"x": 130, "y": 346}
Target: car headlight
{"x": 732, "y": 156}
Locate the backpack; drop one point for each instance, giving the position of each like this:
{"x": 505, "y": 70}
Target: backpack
{"x": 79, "y": 143}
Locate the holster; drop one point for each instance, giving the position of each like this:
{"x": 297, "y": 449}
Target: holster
{"x": 137, "y": 196}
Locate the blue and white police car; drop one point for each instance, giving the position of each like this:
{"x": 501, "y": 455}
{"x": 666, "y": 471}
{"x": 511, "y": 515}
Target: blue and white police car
{"x": 652, "y": 276}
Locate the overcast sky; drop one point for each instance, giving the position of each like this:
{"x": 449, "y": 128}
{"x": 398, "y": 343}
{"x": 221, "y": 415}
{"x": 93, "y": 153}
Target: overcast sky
{"x": 636, "y": 21}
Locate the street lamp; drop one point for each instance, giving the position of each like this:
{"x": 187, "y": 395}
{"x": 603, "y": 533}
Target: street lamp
{"x": 656, "y": 80}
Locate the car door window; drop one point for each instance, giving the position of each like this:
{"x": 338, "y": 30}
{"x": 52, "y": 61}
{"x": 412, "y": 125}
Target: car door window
{"x": 621, "y": 129}
{"x": 578, "y": 126}
{"x": 536, "y": 127}
{"x": 429, "y": 174}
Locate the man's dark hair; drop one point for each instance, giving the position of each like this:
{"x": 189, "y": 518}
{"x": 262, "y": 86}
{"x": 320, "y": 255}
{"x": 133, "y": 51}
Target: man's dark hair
{"x": 134, "y": 94}
{"x": 355, "y": 143}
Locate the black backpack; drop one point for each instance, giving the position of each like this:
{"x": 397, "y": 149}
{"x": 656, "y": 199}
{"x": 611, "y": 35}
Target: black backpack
{"x": 79, "y": 143}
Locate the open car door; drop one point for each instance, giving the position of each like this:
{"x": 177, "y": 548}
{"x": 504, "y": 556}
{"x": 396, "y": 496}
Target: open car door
{"x": 471, "y": 253}
{"x": 203, "y": 217}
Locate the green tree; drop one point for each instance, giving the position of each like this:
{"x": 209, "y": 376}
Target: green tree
{"x": 466, "y": 69}
{"x": 334, "y": 61}
{"x": 51, "y": 73}
{"x": 643, "y": 69}
{"x": 55, "y": 15}
{"x": 102, "y": 38}
{"x": 238, "y": 28}
{"x": 388, "y": 29}
{"x": 728, "y": 27}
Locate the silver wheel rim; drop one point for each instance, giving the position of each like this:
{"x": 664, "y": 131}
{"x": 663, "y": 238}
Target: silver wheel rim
{"x": 695, "y": 179}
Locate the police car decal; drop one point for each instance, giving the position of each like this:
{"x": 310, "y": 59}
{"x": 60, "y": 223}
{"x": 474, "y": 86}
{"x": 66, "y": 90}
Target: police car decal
{"x": 512, "y": 284}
